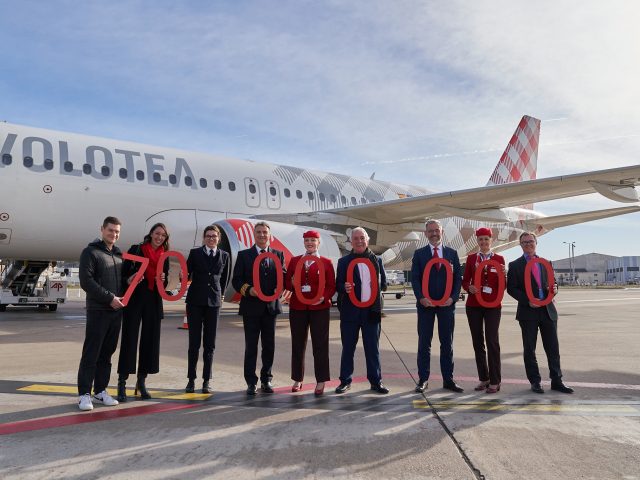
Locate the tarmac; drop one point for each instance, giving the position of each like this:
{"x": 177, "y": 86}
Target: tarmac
{"x": 514, "y": 434}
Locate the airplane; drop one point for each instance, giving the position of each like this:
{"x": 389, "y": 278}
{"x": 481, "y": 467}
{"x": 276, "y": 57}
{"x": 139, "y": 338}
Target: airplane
{"x": 56, "y": 187}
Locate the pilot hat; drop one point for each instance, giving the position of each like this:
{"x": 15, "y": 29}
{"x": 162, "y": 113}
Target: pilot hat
{"x": 311, "y": 234}
{"x": 483, "y": 232}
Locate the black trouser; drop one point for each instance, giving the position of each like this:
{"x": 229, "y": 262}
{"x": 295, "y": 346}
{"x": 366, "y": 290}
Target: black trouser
{"x": 301, "y": 321}
{"x": 263, "y": 327}
{"x": 203, "y": 324}
{"x": 100, "y": 342}
{"x": 143, "y": 308}
{"x": 489, "y": 318}
{"x": 549, "y": 334}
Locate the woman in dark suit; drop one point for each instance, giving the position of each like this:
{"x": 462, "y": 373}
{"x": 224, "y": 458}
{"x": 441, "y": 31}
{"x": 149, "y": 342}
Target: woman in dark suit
{"x": 481, "y": 317}
{"x": 144, "y": 308}
{"x": 303, "y": 318}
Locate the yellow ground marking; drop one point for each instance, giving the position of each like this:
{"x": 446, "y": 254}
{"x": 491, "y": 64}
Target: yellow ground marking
{"x": 39, "y": 388}
{"x": 534, "y": 407}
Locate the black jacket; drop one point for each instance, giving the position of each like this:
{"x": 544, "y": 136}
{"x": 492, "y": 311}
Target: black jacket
{"x": 516, "y": 288}
{"x": 101, "y": 275}
{"x": 129, "y": 267}
{"x": 208, "y": 277}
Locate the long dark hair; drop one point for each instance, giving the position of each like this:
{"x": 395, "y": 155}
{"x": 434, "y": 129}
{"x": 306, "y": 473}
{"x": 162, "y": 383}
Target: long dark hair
{"x": 147, "y": 237}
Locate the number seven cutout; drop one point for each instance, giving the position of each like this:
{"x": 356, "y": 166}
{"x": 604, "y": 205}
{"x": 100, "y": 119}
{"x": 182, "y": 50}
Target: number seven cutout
{"x": 136, "y": 279}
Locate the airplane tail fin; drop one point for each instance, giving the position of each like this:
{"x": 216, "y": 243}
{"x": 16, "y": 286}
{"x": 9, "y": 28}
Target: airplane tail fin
{"x": 519, "y": 162}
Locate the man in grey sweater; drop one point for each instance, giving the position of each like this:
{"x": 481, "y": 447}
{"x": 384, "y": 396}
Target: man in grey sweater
{"x": 100, "y": 277}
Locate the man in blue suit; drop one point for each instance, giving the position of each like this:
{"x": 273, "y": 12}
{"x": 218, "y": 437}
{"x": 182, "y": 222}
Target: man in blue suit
{"x": 427, "y": 311}
{"x": 354, "y": 318}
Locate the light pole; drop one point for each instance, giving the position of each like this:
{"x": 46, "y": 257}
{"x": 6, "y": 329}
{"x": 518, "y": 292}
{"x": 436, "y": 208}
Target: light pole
{"x": 572, "y": 246}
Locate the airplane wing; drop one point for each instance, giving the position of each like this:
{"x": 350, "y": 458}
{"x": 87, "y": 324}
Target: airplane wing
{"x": 545, "y": 224}
{"x": 483, "y": 203}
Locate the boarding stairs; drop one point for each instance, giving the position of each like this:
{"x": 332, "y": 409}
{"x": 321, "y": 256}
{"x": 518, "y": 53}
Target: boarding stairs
{"x": 21, "y": 276}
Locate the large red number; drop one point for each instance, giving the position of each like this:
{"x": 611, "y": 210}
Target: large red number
{"x": 256, "y": 277}
{"x": 136, "y": 279}
{"x": 448, "y": 285}
{"x": 501, "y": 283}
{"x": 297, "y": 284}
{"x": 527, "y": 281}
{"x": 374, "y": 282}
{"x": 183, "y": 278}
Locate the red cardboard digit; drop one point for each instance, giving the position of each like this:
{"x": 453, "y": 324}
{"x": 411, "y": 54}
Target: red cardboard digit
{"x": 297, "y": 277}
{"x": 374, "y": 282}
{"x": 256, "y": 277}
{"x": 136, "y": 279}
{"x": 551, "y": 280}
{"x": 501, "y": 283}
{"x": 448, "y": 285}
{"x": 183, "y": 280}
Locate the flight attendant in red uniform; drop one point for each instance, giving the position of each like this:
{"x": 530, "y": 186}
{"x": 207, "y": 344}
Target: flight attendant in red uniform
{"x": 303, "y": 318}
{"x": 482, "y": 318}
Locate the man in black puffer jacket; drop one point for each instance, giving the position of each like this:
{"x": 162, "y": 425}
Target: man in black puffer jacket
{"x": 100, "y": 277}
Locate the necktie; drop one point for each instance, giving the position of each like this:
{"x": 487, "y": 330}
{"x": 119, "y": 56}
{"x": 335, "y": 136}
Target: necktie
{"x": 265, "y": 262}
{"x": 536, "y": 274}
{"x": 210, "y": 253}
{"x": 435, "y": 255}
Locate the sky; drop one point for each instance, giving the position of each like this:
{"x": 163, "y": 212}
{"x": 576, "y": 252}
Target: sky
{"x": 420, "y": 92}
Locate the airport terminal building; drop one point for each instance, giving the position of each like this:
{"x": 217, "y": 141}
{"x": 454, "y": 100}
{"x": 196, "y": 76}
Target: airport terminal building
{"x": 596, "y": 269}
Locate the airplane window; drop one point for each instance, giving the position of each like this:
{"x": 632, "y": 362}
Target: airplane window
{"x": 252, "y": 188}
{"x": 298, "y": 194}
{"x": 232, "y": 186}
{"x": 272, "y": 191}
{"x": 333, "y": 198}
{"x": 343, "y": 199}
{"x": 6, "y": 159}
{"x": 86, "y": 168}
{"x": 105, "y": 171}
{"x": 173, "y": 179}
{"x": 156, "y": 177}
{"x": 48, "y": 164}
{"x": 203, "y": 183}
{"x": 140, "y": 175}
{"x": 353, "y": 201}
{"x": 287, "y": 192}
{"x": 122, "y": 172}
{"x": 28, "y": 162}
{"x": 68, "y": 167}
{"x": 310, "y": 195}
{"x": 217, "y": 184}
{"x": 321, "y": 197}
{"x": 188, "y": 181}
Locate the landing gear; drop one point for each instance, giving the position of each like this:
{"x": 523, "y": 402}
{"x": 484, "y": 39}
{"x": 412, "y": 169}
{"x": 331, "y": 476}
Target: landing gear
{"x": 53, "y": 307}
{"x": 3, "y": 308}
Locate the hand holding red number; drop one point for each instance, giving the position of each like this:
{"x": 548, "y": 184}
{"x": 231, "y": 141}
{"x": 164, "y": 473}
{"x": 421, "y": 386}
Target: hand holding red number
{"x": 256, "y": 290}
{"x": 501, "y": 283}
{"x": 297, "y": 287}
{"x": 533, "y": 301}
{"x": 442, "y": 302}
{"x": 374, "y": 283}
{"x": 137, "y": 277}
{"x": 160, "y": 275}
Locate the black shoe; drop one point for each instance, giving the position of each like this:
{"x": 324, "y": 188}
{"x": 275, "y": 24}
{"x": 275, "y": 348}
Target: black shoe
{"x": 142, "y": 388}
{"x": 266, "y": 387}
{"x": 251, "y": 389}
{"x": 206, "y": 388}
{"x": 122, "y": 391}
{"x": 422, "y": 386}
{"x": 561, "y": 387}
{"x": 453, "y": 386}
{"x": 343, "y": 387}
{"x": 191, "y": 387}
{"x": 537, "y": 388}
{"x": 380, "y": 388}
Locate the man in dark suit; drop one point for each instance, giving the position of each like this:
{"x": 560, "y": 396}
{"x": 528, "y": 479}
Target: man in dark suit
{"x": 533, "y": 317}
{"x": 427, "y": 312}
{"x": 354, "y": 318}
{"x": 258, "y": 317}
{"x": 207, "y": 266}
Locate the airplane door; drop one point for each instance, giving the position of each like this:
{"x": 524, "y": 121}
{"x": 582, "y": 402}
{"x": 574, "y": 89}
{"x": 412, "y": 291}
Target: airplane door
{"x": 273, "y": 194}
{"x": 252, "y": 192}
{"x": 182, "y": 228}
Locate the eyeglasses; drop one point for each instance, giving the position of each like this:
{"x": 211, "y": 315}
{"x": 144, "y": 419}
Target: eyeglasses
{"x": 527, "y": 242}
{"x": 210, "y": 237}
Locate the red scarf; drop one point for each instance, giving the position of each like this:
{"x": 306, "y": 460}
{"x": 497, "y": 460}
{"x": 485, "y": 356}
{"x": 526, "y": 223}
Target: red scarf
{"x": 153, "y": 256}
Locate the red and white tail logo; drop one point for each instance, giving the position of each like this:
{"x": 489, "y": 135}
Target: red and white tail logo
{"x": 519, "y": 161}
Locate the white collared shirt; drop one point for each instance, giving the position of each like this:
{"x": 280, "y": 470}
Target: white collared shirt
{"x": 208, "y": 250}
{"x": 365, "y": 286}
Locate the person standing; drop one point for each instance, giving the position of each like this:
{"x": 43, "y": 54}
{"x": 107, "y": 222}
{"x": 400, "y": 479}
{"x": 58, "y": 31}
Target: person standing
{"x": 354, "y": 319}
{"x": 534, "y": 317}
{"x": 208, "y": 270}
{"x": 303, "y": 317}
{"x": 484, "y": 321}
{"x": 258, "y": 316}
{"x": 427, "y": 311}
{"x": 101, "y": 278}
{"x": 144, "y": 309}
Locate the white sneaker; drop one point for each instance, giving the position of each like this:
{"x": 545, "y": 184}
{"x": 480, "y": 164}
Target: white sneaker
{"x": 106, "y": 399}
{"x": 84, "y": 402}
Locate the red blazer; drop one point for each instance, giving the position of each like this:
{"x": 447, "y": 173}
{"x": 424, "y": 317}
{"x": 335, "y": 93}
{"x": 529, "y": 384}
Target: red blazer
{"x": 313, "y": 279}
{"x": 491, "y": 280}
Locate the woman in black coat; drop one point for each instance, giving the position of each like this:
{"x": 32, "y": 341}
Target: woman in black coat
{"x": 144, "y": 308}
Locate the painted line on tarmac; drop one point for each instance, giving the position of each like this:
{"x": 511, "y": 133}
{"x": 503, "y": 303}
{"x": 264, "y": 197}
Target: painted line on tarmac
{"x": 496, "y": 407}
{"x": 73, "y": 390}
{"x": 88, "y": 417}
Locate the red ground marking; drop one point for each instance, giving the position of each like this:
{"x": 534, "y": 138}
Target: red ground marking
{"x": 88, "y": 417}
